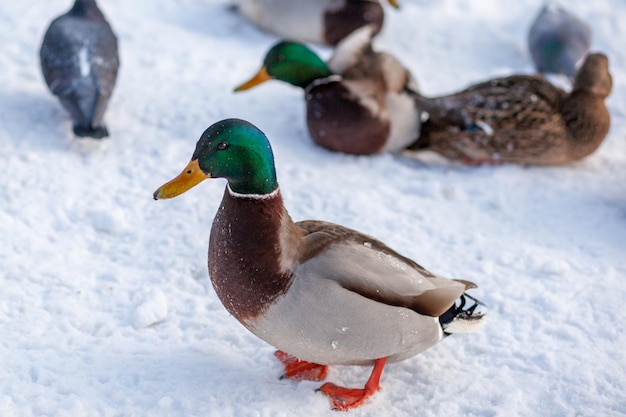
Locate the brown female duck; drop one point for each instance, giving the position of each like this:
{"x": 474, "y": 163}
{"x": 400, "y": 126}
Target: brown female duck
{"x": 520, "y": 119}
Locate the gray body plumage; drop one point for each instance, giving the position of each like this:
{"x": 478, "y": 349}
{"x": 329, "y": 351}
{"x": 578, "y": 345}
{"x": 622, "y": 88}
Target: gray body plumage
{"x": 354, "y": 300}
{"x": 558, "y": 41}
{"x": 79, "y": 61}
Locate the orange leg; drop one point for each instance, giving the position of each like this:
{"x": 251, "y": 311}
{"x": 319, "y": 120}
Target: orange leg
{"x": 343, "y": 399}
{"x": 301, "y": 370}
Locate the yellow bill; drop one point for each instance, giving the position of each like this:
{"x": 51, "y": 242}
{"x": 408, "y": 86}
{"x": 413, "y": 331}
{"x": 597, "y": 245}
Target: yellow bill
{"x": 191, "y": 176}
{"x": 394, "y": 3}
{"x": 259, "y": 78}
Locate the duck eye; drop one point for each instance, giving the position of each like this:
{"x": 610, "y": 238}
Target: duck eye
{"x": 222, "y": 146}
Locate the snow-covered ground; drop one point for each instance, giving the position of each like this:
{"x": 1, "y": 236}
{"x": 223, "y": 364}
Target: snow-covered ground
{"x": 106, "y": 308}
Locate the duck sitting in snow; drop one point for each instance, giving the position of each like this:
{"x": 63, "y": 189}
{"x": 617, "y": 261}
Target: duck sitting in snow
{"x": 79, "y": 61}
{"x": 321, "y": 293}
{"x": 558, "y": 41}
{"x": 521, "y": 119}
{"x": 357, "y": 103}
{"x": 321, "y": 21}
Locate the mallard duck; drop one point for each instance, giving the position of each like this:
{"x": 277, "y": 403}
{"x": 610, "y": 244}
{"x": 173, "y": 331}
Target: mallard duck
{"x": 321, "y": 21}
{"x": 558, "y": 41}
{"x": 319, "y": 292}
{"x": 521, "y": 119}
{"x": 357, "y": 102}
{"x": 79, "y": 61}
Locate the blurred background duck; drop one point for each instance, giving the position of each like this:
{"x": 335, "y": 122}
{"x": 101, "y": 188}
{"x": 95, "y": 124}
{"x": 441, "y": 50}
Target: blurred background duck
{"x": 79, "y": 61}
{"x": 558, "y": 41}
{"x": 320, "y": 21}
{"x": 521, "y": 119}
{"x": 356, "y": 103}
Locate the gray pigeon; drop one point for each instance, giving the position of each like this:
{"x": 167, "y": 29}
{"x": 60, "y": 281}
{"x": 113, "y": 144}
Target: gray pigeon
{"x": 558, "y": 41}
{"x": 79, "y": 61}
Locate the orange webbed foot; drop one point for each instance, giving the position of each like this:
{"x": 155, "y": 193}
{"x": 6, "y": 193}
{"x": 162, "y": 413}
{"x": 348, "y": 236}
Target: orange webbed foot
{"x": 299, "y": 370}
{"x": 343, "y": 399}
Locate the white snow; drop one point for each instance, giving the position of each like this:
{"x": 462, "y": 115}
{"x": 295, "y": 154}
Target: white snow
{"x": 106, "y": 308}
{"x": 152, "y": 310}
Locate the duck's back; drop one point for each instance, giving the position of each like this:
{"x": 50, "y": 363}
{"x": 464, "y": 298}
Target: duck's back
{"x": 520, "y": 99}
{"x": 513, "y": 119}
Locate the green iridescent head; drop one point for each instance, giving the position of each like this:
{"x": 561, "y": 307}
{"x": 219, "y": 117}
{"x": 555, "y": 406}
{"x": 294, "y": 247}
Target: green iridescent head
{"x": 291, "y": 62}
{"x": 233, "y": 149}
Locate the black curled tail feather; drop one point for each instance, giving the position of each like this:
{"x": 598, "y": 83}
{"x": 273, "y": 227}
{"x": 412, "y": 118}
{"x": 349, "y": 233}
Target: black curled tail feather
{"x": 462, "y": 316}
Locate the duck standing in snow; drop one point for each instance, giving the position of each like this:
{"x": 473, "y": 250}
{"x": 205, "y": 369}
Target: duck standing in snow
{"x": 319, "y": 292}
{"x": 558, "y": 41}
{"x": 521, "y": 119}
{"x": 79, "y": 61}
{"x": 320, "y": 21}
{"x": 357, "y": 103}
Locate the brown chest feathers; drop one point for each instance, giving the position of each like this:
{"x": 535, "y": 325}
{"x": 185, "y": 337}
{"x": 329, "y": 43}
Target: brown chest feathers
{"x": 340, "y": 23}
{"x": 246, "y": 263}
{"x": 337, "y": 120}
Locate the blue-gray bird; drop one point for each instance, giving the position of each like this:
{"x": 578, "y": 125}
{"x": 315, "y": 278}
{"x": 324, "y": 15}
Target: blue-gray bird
{"x": 79, "y": 61}
{"x": 558, "y": 41}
